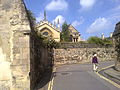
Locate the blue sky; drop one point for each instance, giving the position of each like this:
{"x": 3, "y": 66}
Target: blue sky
{"x": 89, "y": 17}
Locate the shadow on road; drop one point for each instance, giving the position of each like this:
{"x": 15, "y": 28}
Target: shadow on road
{"x": 42, "y": 85}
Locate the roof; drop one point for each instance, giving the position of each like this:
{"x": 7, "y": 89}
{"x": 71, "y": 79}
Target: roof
{"x": 73, "y": 30}
{"x": 48, "y": 24}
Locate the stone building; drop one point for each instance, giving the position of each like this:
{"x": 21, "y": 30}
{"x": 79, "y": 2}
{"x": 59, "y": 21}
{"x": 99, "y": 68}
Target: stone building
{"x": 23, "y": 57}
{"x": 48, "y": 29}
{"x": 14, "y": 46}
{"x": 116, "y": 36}
{"x": 74, "y": 34}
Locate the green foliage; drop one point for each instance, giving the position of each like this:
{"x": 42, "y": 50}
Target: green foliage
{"x": 47, "y": 42}
{"x": 31, "y": 15}
{"x": 52, "y": 44}
{"x": 83, "y": 42}
{"x": 40, "y": 37}
{"x": 65, "y": 34}
{"x": 107, "y": 42}
{"x": 95, "y": 40}
{"x": 32, "y": 18}
{"x": 99, "y": 41}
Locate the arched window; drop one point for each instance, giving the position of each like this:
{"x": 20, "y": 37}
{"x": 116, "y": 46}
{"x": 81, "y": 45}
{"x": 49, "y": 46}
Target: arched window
{"x": 45, "y": 33}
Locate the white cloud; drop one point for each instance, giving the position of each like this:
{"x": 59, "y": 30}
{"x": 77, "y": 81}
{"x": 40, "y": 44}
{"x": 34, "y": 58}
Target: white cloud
{"x": 98, "y": 25}
{"x": 86, "y": 4}
{"x": 77, "y": 23}
{"x": 61, "y": 19}
{"x": 40, "y": 17}
{"x": 56, "y": 5}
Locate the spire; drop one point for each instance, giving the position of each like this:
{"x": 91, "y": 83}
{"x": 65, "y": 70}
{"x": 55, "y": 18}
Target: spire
{"x": 44, "y": 14}
{"x": 58, "y": 22}
{"x": 54, "y": 24}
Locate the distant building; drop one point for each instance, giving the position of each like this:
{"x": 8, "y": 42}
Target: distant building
{"x": 74, "y": 34}
{"x": 48, "y": 29}
{"x": 52, "y": 31}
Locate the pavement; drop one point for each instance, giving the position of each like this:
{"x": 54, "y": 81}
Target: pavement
{"x": 112, "y": 74}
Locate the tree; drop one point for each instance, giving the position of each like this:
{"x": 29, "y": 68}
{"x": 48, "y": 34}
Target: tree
{"x": 99, "y": 41}
{"x": 95, "y": 40}
{"x": 107, "y": 42}
{"x": 65, "y": 34}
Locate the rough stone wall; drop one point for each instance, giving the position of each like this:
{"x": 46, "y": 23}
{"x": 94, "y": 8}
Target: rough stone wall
{"x": 117, "y": 48}
{"x": 82, "y": 55}
{"x": 81, "y": 45}
{"x": 14, "y": 46}
{"x": 116, "y": 36}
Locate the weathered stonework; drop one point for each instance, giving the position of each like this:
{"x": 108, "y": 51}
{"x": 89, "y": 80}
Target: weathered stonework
{"x": 82, "y": 55}
{"x": 23, "y": 58}
{"x": 14, "y": 45}
{"x": 116, "y": 36}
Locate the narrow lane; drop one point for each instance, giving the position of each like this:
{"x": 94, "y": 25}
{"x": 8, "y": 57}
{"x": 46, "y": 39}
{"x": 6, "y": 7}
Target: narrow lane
{"x": 81, "y": 77}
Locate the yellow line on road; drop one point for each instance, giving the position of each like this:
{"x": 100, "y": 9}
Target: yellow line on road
{"x": 50, "y": 85}
{"x": 110, "y": 81}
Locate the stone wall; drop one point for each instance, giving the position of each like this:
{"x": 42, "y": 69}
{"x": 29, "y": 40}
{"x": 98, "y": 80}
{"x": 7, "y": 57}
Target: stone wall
{"x": 116, "y": 36}
{"x": 14, "y": 46}
{"x": 82, "y": 55}
{"x": 23, "y": 58}
{"x": 80, "y": 45}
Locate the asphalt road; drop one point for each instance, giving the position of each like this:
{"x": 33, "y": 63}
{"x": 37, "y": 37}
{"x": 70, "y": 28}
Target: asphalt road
{"x": 81, "y": 77}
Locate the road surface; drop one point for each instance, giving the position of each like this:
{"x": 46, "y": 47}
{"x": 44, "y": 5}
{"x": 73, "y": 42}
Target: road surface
{"x": 80, "y": 77}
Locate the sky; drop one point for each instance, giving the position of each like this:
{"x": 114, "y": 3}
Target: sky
{"x": 89, "y": 17}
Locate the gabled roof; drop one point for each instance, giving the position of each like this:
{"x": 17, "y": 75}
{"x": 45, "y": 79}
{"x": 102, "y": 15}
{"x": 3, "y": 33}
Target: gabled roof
{"x": 73, "y": 29}
{"x": 42, "y": 23}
